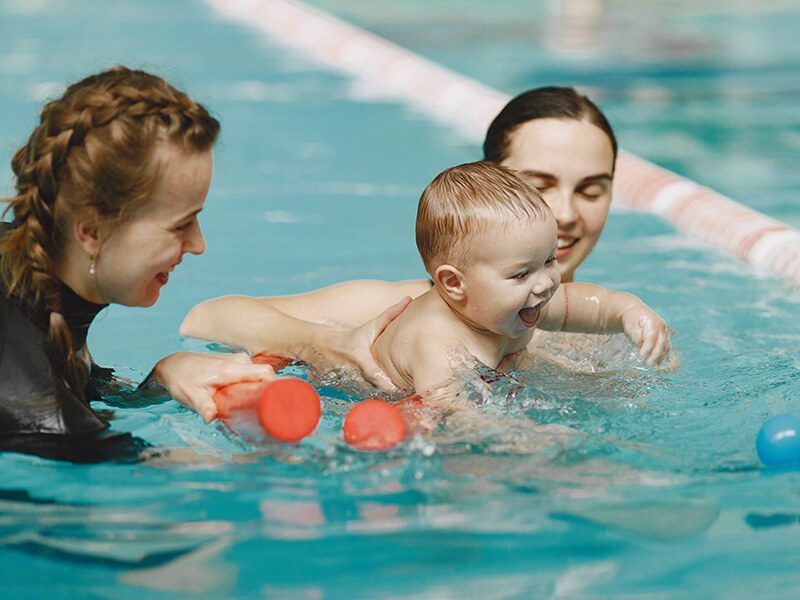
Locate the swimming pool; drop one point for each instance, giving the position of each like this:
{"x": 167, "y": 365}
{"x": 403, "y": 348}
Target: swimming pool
{"x": 661, "y": 495}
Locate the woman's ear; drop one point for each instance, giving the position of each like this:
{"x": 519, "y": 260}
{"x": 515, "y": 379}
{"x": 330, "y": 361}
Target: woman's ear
{"x": 88, "y": 232}
{"x": 451, "y": 281}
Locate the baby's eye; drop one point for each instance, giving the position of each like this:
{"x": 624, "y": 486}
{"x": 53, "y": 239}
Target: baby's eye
{"x": 550, "y": 261}
{"x": 521, "y": 275}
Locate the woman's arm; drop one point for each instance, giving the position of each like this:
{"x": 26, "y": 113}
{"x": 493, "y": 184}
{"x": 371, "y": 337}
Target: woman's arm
{"x": 251, "y": 324}
{"x": 348, "y": 304}
{"x": 289, "y": 325}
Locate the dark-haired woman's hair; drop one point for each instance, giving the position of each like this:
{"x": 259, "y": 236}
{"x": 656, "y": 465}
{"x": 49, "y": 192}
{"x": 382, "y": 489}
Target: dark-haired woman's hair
{"x": 541, "y": 103}
{"x": 93, "y": 149}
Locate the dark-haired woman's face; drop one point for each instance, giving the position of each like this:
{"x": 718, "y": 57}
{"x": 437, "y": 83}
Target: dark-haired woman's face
{"x": 571, "y": 163}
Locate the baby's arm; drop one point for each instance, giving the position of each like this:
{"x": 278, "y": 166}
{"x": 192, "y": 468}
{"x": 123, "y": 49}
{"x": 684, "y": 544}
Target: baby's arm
{"x": 586, "y": 308}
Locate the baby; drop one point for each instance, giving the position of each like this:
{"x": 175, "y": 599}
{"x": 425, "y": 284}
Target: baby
{"x": 488, "y": 241}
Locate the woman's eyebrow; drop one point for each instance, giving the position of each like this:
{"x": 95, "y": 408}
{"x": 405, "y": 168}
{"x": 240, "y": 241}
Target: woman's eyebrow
{"x": 538, "y": 174}
{"x": 188, "y": 215}
{"x": 599, "y": 178}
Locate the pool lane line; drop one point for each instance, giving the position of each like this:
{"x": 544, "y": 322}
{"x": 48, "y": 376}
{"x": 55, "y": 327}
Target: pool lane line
{"x": 384, "y": 69}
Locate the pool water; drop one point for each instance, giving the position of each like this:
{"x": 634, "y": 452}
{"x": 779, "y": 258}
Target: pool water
{"x": 659, "y": 492}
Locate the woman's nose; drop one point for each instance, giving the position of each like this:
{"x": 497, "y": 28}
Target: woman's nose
{"x": 195, "y": 242}
{"x": 562, "y": 203}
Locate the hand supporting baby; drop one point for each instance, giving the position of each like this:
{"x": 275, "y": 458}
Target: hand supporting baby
{"x": 353, "y": 347}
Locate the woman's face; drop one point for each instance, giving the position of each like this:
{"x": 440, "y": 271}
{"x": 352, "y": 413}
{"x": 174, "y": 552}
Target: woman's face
{"x": 136, "y": 257}
{"x": 571, "y": 163}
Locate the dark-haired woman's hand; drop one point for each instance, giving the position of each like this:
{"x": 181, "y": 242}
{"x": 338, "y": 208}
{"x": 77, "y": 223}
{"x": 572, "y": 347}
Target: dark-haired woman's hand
{"x": 192, "y": 378}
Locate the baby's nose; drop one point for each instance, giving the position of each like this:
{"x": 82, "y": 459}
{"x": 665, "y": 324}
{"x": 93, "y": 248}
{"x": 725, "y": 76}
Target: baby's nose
{"x": 542, "y": 285}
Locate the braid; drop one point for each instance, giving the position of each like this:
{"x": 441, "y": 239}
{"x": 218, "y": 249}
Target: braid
{"x": 93, "y": 149}
{"x": 34, "y": 280}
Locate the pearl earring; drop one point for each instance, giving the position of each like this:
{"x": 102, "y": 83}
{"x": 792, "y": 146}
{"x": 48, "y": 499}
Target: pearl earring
{"x": 92, "y": 267}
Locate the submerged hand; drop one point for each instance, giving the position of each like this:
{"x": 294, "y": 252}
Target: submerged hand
{"x": 647, "y": 331}
{"x": 192, "y": 378}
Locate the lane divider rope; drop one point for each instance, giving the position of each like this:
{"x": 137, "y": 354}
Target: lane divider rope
{"x": 446, "y": 97}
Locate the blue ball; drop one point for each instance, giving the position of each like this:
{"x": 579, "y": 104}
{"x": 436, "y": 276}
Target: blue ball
{"x": 778, "y": 441}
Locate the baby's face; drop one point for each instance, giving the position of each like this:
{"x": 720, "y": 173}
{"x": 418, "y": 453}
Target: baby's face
{"x": 511, "y": 274}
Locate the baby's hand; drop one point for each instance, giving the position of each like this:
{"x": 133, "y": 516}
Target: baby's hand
{"x": 647, "y": 331}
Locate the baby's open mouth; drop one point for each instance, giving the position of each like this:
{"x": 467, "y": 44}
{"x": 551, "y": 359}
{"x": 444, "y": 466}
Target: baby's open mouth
{"x": 530, "y": 315}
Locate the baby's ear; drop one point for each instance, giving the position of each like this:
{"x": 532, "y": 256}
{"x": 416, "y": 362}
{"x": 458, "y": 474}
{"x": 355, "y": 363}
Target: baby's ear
{"x": 451, "y": 282}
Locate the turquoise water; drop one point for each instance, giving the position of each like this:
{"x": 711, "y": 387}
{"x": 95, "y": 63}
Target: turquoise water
{"x": 659, "y": 495}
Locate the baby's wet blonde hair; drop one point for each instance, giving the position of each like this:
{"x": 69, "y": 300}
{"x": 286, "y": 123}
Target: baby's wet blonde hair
{"x": 466, "y": 200}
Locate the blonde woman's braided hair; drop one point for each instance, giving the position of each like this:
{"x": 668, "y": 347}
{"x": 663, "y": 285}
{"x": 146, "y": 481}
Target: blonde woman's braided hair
{"x": 93, "y": 150}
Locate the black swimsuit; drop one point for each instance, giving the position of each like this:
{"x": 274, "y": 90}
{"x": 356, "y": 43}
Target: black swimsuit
{"x": 38, "y": 414}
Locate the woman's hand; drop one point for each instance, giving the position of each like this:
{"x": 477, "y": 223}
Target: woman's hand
{"x": 647, "y": 331}
{"x": 192, "y": 378}
{"x": 353, "y": 347}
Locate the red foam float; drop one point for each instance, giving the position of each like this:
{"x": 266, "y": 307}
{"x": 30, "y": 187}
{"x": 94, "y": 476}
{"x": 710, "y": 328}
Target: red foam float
{"x": 289, "y": 409}
{"x": 374, "y": 425}
{"x": 242, "y": 395}
{"x": 276, "y": 362}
